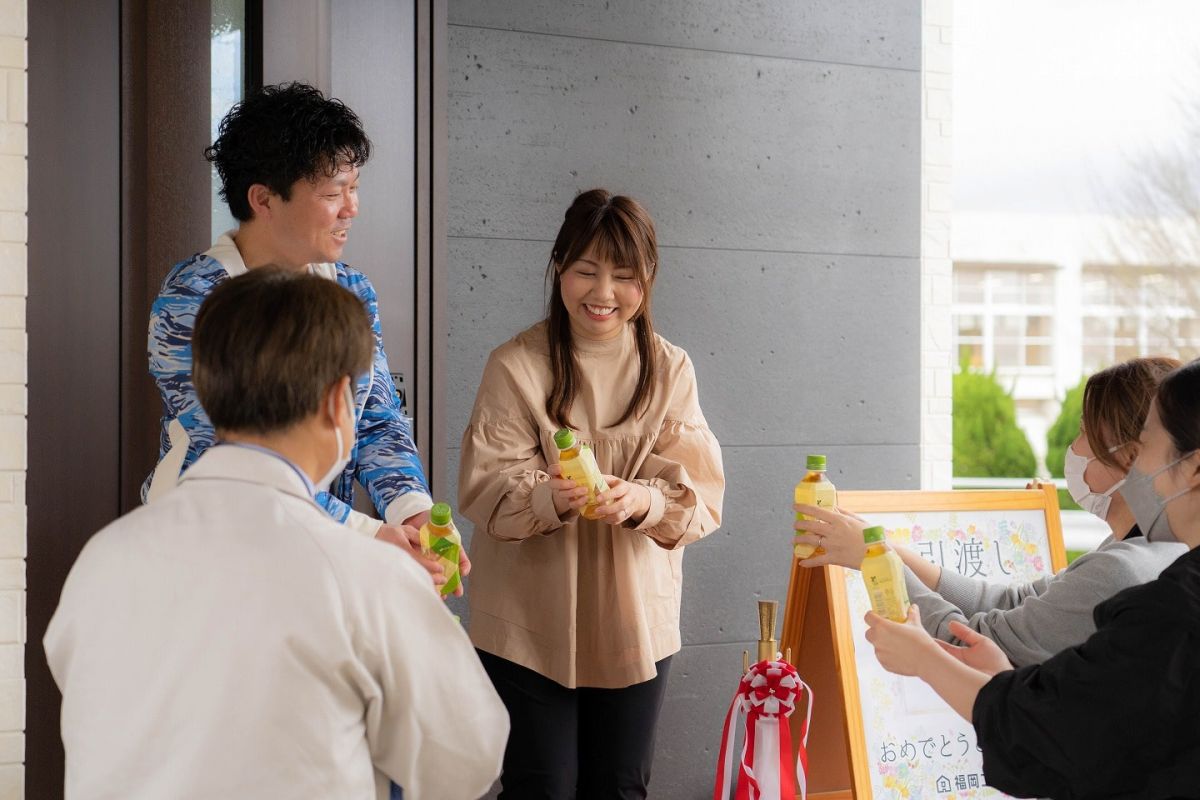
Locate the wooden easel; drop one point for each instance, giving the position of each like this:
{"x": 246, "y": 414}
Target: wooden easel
{"x": 816, "y": 627}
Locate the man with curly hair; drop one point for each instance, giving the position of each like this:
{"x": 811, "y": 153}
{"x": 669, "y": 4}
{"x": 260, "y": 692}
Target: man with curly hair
{"x": 289, "y": 161}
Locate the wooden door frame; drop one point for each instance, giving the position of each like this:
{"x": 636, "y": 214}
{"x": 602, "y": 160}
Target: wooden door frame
{"x": 429, "y": 414}
{"x": 73, "y": 323}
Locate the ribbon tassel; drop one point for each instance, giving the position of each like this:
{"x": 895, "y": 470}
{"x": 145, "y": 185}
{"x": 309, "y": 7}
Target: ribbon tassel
{"x": 767, "y": 696}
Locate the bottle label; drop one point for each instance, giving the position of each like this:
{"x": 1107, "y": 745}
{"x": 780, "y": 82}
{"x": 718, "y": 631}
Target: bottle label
{"x": 821, "y": 495}
{"x": 884, "y": 579}
{"x": 585, "y": 472}
{"x": 446, "y": 550}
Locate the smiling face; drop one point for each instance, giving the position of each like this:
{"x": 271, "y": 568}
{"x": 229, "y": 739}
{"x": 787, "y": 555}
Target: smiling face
{"x": 313, "y": 225}
{"x": 600, "y": 297}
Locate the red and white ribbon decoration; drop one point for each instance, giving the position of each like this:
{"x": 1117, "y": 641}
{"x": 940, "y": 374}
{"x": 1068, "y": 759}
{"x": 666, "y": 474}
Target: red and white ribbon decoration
{"x": 767, "y": 695}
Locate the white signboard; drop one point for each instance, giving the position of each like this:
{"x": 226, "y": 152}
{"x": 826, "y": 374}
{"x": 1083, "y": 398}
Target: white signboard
{"x": 917, "y": 747}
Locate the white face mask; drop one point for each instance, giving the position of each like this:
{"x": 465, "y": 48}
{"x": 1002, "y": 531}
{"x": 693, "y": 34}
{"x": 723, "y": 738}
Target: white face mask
{"x": 343, "y": 453}
{"x": 1073, "y": 468}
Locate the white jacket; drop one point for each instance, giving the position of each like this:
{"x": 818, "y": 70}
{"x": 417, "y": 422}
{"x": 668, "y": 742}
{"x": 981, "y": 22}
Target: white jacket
{"x": 232, "y": 641}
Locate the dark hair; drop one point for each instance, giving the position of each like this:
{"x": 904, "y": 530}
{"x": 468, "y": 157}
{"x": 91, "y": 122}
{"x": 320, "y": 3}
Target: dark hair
{"x": 622, "y": 232}
{"x": 268, "y": 345}
{"x": 1179, "y": 407}
{"x": 282, "y": 134}
{"x": 1115, "y": 404}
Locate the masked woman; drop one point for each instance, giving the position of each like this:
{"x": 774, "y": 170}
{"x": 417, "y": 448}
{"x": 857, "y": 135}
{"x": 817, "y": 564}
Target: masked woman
{"x": 1115, "y": 716}
{"x": 1033, "y": 621}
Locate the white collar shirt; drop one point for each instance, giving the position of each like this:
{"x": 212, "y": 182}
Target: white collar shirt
{"x": 231, "y": 640}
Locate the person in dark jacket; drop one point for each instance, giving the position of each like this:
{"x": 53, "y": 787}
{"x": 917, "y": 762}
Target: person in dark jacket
{"x": 1119, "y": 715}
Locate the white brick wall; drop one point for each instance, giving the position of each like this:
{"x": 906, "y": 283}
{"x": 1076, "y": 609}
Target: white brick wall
{"x": 937, "y": 358}
{"x": 14, "y": 148}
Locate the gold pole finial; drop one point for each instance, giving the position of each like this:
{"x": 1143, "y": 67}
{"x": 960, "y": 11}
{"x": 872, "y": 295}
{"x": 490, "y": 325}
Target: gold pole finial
{"x": 768, "y": 610}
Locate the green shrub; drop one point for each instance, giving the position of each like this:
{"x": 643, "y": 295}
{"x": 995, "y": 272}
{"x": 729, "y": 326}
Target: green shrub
{"x": 1064, "y": 430}
{"x": 987, "y": 440}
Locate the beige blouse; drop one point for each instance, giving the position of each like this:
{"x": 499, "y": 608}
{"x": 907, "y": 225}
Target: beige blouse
{"x": 580, "y": 601}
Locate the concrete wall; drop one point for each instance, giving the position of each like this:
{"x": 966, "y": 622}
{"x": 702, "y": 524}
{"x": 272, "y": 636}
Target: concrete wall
{"x": 777, "y": 144}
{"x": 14, "y": 146}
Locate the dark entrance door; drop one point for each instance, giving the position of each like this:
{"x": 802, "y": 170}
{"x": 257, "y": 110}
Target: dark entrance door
{"x": 121, "y": 95}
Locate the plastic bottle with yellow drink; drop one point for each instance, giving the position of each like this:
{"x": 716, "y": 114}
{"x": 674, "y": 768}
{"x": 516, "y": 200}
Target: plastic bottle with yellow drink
{"x": 814, "y": 489}
{"x": 441, "y": 540}
{"x": 578, "y": 464}
{"x": 883, "y": 573}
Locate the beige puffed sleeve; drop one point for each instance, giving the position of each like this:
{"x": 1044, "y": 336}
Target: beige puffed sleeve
{"x": 502, "y": 477}
{"x": 684, "y": 470}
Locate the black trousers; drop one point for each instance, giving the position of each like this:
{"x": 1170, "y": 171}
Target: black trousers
{"x": 576, "y": 744}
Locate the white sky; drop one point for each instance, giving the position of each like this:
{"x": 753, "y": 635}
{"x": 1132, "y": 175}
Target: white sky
{"x": 1053, "y": 98}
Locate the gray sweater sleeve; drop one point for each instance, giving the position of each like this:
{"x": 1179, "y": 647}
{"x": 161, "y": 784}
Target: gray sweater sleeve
{"x": 1034, "y": 621}
{"x": 973, "y": 597}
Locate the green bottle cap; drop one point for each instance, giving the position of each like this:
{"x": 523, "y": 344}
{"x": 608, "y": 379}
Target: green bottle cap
{"x": 564, "y": 439}
{"x": 816, "y": 463}
{"x": 873, "y": 534}
{"x": 440, "y": 514}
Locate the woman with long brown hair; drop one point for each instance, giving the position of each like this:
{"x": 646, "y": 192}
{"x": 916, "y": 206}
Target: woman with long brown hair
{"x": 576, "y": 619}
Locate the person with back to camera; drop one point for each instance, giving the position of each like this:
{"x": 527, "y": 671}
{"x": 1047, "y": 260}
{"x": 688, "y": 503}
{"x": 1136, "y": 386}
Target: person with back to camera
{"x": 229, "y": 640}
{"x": 1116, "y": 716}
{"x": 1031, "y": 622}
{"x": 576, "y": 619}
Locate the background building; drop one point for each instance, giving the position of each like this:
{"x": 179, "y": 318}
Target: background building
{"x": 1047, "y": 299}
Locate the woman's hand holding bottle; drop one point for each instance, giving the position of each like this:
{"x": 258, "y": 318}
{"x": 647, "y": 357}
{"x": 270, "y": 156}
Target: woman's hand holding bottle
{"x": 837, "y": 532}
{"x": 623, "y": 502}
{"x": 569, "y": 497}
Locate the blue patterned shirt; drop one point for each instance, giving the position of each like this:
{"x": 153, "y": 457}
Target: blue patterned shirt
{"x": 383, "y": 458}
